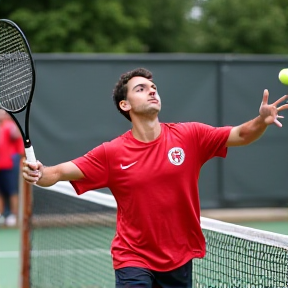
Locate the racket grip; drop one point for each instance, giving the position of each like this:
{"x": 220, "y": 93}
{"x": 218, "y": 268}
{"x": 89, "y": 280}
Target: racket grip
{"x": 30, "y": 155}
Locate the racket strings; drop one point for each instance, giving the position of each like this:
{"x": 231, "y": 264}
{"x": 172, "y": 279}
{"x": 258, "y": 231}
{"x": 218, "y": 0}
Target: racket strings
{"x": 16, "y": 71}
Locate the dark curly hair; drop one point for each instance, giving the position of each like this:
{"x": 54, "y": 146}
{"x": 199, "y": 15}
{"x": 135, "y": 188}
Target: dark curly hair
{"x": 120, "y": 90}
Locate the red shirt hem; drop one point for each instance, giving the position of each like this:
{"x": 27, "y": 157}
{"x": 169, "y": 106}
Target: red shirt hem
{"x": 141, "y": 264}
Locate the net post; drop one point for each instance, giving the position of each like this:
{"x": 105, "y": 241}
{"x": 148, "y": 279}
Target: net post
{"x": 25, "y": 215}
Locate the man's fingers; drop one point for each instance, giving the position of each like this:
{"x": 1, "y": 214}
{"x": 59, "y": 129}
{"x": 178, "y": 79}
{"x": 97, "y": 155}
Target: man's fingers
{"x": 265, "y": 96}
{"x": 32, "y": 178}
{"x": 282, "y": 107}
{"x": 32, "y": 166}
{"x": 283, "y": 98}
{"x": 277, "y": 123}
{"x": 31, "y": 172}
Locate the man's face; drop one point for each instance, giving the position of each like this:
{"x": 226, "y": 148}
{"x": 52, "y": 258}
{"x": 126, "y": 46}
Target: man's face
{"x": 142, "y": 96}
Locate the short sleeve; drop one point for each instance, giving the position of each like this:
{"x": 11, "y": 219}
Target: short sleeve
{"x": 212, "y": 140}
{"x": 95, "y": 168}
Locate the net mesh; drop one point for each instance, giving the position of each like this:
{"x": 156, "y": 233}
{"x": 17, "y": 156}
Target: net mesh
{"x": 241, "y": 257}
{"x": 71, "y": 236}
{"x": 71, "y": 239}
{"x": 16, "y": 70}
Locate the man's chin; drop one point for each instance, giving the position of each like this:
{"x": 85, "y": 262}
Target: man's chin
{"x": 152, "y": 112}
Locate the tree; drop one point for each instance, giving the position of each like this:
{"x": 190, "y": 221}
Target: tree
{"x": 240, "y": 26}
{"x": 117, "y": 26}
{"x": 169, "y": 26}
{"x": 138, "y": 26}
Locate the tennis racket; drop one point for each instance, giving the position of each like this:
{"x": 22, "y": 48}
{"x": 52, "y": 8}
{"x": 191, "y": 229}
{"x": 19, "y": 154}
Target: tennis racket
{"x": 17, "y": 78}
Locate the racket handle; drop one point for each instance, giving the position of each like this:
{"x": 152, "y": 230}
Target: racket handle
{"x": 30, "y": 155}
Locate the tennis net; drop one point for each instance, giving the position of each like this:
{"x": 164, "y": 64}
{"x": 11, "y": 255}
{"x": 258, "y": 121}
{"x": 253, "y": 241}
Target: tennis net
{"x": 70, "y": 238}
{"x": 71, "y": 235}
{"x": 240, "y": 257}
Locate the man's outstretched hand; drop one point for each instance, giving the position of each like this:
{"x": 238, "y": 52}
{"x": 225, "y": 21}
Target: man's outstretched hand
{"x": 269, "y": 112}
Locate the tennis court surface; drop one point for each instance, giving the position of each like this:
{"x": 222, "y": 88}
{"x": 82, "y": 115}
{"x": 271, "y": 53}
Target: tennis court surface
{"x": 71, "y": 235}
{"x": 9, "y": 257}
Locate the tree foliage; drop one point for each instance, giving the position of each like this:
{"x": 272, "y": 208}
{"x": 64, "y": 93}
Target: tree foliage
{"x": 98, "y": 25}
{"x": 138, "y": 26}
{"x": 241, "y": 26}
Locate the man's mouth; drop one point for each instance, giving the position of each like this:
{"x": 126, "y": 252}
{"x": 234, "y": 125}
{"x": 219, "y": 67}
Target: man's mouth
{"x": 153, "y": 101}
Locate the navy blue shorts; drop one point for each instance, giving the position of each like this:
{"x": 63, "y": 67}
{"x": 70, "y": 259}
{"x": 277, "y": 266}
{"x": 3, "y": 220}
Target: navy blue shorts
{"x": 9, "y": 178}
{"x": 136, "y": 277}
{"x": 16, "y": 169}
{"x": 7, "y": 182}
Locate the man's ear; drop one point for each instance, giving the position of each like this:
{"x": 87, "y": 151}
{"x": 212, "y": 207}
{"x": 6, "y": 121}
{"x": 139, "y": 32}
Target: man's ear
{"x": 124, "y": 105}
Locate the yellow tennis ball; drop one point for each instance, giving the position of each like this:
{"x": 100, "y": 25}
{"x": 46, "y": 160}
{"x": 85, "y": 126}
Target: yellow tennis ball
{"x": 283, "y": 76}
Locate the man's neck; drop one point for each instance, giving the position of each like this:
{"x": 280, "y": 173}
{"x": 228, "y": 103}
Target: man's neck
{"x": 146, "y": 131}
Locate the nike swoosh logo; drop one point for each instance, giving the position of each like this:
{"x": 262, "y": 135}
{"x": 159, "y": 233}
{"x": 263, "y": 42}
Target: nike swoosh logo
{"x": 128, "y": 166}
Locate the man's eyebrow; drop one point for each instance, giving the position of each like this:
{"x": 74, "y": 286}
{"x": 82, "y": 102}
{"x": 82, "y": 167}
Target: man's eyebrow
{"x": 144, "y": 84}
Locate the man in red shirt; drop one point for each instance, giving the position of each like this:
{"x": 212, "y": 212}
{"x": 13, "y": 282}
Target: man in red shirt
{"x": 152, "y": 171}
{"x": 11, "y": 148}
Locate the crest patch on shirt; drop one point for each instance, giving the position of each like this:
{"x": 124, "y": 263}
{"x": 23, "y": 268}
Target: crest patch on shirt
{"x": 176, "y": 156}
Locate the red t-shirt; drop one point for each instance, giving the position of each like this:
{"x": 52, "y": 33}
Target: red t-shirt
{"x": 155, "y": 185}
{"x": 8, "y": 145}
{"x": 18, "y": 146}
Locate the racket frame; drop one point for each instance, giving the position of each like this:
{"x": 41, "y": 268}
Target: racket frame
{"x": 26, "y": 136}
